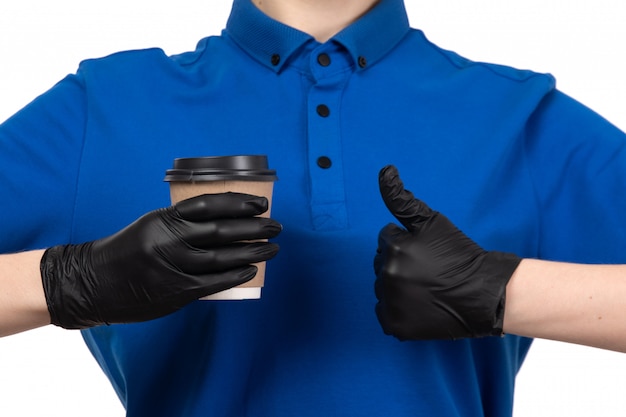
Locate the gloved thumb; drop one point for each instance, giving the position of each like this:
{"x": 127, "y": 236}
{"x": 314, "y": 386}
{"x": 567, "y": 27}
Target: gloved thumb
{"x": 409, "y": 211}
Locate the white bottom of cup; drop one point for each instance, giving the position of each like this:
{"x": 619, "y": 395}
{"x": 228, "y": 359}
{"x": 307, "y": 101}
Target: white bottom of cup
{"x": 245, "y": 293}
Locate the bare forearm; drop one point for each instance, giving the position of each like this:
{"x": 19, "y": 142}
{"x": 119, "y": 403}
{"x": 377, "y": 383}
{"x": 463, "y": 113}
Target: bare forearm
{"x": 22, "y": 301}
{"x": 583, "y": 304}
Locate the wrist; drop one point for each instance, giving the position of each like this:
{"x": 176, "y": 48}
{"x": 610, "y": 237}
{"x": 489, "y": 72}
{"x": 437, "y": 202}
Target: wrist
{"x": 522, "y": 299}
{"x": 22, "y": 301}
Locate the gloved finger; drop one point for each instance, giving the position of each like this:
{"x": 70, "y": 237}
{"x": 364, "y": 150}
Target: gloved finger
{"x": 379, "y": 261}
{"x": 386, "y": 322}
{"x": 409, "y": 211}
{"x": 387, "y": 246}
{"x": 217, "y": 206}
{"x": 219, "y": 232}
{"x": 189, "y": 288}
{"x": 386, "y": 236}
{"x": 379, "y": 287}
{"x": 203, "y": 261}
{"x": 219, "y": 281}
{"x": 390, "y": 234}
{"x": 228, "y": 279}
{"x": 390, "y": 237}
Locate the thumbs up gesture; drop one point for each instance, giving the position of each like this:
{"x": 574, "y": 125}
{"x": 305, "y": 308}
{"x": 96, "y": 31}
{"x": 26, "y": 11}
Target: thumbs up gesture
{"x": 433, "y": 281}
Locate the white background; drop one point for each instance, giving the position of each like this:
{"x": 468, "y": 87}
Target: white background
{"x": 48, "y": 372}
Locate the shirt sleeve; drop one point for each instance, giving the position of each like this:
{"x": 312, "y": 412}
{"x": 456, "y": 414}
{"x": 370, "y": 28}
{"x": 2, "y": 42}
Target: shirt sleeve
{"x": 40, "y": 148}
{"x": 577, "y": 161}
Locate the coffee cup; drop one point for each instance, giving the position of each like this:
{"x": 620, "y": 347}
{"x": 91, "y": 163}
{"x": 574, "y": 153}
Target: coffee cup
{"x": 248, "y": 174}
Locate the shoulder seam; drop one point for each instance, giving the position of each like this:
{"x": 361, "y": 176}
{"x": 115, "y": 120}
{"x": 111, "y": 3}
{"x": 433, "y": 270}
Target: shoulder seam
{"x": 463, "y": 63}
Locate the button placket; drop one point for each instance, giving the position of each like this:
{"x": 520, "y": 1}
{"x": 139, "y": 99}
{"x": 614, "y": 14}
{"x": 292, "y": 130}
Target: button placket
{"x": 328, "y": 206}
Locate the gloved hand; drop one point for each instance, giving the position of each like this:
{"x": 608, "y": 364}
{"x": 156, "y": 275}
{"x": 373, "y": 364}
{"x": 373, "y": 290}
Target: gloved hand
{"x": 164, "y": 260}
{"x": 434, "y": 282}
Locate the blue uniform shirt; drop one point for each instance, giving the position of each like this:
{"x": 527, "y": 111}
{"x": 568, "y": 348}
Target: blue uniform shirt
{"x": 515, "y": 163}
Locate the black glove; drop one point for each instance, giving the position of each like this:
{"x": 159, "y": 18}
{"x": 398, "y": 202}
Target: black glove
{"x": 164, "y": 260}
{"x": 434, "y": 282}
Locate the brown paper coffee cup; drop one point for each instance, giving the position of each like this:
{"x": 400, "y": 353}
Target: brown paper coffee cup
{"x": 247, "y": 174}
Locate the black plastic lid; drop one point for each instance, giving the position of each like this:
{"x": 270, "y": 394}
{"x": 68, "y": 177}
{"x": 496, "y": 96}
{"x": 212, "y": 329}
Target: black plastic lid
{"x": 221, "y": 168}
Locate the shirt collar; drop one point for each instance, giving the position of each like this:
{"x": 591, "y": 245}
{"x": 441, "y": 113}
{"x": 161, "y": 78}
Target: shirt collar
{"x": 272, "y": 43}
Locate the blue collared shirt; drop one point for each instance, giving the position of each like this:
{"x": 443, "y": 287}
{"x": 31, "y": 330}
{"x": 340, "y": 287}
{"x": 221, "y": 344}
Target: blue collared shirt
{"x": 515, "y": 163}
